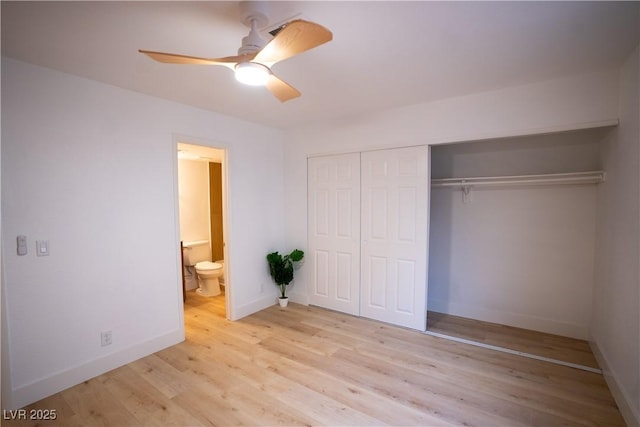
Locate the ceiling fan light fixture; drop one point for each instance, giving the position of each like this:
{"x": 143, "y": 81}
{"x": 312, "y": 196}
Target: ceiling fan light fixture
{"x": 252, "y": 73}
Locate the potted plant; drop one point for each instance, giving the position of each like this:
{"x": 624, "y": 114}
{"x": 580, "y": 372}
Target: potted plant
{"x": 281, "y": 269}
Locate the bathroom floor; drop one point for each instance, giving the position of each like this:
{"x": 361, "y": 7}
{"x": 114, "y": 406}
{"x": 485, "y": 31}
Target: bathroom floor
{"x": 213, "y": 305}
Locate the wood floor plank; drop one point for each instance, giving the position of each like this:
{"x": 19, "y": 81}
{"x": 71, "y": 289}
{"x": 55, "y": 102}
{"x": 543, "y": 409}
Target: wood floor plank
{"x": 538, "y": 343}
{"x": 479, "y": 392}
{"x": 163, "y": 376}
{"x": 376, "y": 379}
{"x": 467, "y": 358}
{"x": 93, "y": 403}
{"x": 138, "y": 396}
{"x": 308, "y": 366}
{"x": 500, "y": 375}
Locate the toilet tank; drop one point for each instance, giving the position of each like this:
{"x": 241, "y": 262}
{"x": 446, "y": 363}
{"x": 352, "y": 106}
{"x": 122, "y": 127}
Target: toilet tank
{"x": 196, "y": 251}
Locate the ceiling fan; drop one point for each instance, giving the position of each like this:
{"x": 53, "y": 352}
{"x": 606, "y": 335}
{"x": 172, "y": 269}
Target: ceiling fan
{"x": 256, "y": 56}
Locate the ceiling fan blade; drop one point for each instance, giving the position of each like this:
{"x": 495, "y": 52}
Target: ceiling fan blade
{"x": 296, "y": 37}
{"x": 281, "y": 89}
{"x": 172, "y": 58}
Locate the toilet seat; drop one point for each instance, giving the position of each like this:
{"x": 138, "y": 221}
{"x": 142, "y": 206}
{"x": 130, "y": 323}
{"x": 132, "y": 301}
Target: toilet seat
{"x": 208, "y": 277}
{"x": 208, "y": 266}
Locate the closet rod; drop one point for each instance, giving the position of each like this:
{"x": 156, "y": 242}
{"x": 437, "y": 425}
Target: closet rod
{"x": 594, "y": 177}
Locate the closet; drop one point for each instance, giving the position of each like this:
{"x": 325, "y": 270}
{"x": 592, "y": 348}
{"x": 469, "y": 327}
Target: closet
{"x": 368, "y": 227}
{"x": 513, "y": 230}
{"x": 506, "y": 227}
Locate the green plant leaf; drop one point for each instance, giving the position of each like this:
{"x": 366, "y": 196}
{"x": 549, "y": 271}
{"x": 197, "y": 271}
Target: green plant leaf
{"x": 296, "y": 255}
{"x": 281, "y": 268}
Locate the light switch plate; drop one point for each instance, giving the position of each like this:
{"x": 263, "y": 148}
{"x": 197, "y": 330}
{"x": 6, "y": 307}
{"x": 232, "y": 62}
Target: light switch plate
{"x": 42, "y": 247}
{"x": 22, "y": 245}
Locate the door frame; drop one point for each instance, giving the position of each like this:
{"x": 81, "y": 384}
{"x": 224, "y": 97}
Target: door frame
{"x": 226, "y": 226}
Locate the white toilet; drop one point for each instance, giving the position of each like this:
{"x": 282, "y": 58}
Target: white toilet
{"x": 208, "y": 275}
{"x": 196, "y": 255}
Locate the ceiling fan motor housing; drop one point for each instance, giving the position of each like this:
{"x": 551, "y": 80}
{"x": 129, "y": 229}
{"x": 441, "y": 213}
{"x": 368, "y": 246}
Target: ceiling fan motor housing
{"x": 252, "y": 42}
{"x": 254, "y": 15}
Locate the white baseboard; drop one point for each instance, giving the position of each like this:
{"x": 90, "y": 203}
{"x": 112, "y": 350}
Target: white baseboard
{"x": 27, "y": 394}
{"x": 511, "y": 319}
{"x": 254, "y": 307}
{"x": 266, "y": 302}
{"x": 299, "y": 298}
{"x": 630, "y": 413}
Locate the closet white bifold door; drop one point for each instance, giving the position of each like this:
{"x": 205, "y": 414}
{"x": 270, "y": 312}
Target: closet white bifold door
{"x": 334, "y": 232}
{"x": 394, "y": 233}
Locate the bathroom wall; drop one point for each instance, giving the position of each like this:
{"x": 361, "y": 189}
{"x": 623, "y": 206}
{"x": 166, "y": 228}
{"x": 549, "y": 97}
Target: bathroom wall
{"x": 193, "y": 196}
{"x": 193, "y": 191}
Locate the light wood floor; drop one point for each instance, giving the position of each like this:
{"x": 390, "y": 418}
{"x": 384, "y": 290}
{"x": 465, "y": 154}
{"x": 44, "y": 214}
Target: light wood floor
{"x": 309, "y": 366}
{"x": 569, "y": 350}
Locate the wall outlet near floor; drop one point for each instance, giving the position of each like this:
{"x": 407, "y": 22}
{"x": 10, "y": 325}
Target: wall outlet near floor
{"x": 106, "y": 338}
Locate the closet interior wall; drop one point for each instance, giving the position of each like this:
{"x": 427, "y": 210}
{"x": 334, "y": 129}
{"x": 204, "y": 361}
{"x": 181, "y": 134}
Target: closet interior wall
{"x": 516, "y": 255}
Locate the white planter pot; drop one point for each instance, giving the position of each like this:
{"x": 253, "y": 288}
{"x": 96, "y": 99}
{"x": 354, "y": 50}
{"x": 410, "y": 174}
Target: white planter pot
{"x": 283, "y": 302}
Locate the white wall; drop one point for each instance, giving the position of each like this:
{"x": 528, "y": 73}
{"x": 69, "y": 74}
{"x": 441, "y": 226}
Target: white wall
{"x": 575, "y": 151}
{"x": 519, "y": 256}
{"x": 92, "y": 169}
{"x": 193, "y": 191}
{"x": 570, "y": 103}
{"x": 616, "y": 322}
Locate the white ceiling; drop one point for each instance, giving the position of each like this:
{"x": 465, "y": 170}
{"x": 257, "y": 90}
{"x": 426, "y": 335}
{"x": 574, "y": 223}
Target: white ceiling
{"x": 383, "y": 54}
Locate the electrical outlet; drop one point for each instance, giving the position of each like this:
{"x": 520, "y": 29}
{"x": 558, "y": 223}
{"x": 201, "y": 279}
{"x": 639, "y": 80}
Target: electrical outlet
{"x": 106, "y": 338}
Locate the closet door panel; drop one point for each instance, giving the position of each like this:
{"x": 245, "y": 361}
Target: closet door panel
{"x": 405, "y": 294}
{"x": 334, "y": 232}
{"x": 321, "y": 272}
{"x": 345, "y": 266}
{"x": 377, "y": 284}
{"x": 395, "y": 195}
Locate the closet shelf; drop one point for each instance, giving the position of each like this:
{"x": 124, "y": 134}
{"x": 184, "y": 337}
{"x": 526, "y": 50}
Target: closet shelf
{"x": 594, "y": 177}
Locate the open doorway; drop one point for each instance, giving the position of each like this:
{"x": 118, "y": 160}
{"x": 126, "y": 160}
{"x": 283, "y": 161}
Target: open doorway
{"x": 202, "y": 206}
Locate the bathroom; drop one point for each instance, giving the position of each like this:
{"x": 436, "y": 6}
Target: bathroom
{"x": 200, "y": 195}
